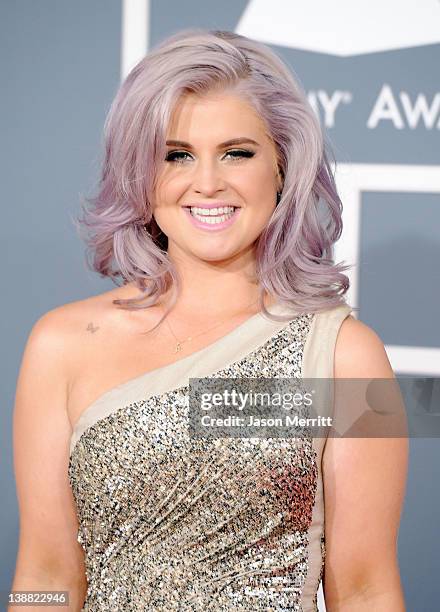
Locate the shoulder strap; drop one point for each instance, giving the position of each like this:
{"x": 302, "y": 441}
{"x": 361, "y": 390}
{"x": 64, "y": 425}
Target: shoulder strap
{"x": 319, "y": 348}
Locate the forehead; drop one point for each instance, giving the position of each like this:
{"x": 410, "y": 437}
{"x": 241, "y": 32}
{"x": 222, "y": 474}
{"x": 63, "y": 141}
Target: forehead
{"x": 215, "y": 116}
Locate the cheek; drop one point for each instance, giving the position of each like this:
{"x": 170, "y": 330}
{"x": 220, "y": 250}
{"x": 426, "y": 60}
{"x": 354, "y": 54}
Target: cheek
{"x": 258, "y": 188}
{"x": 168, "y": 188}
{"x": 259, "y": 177}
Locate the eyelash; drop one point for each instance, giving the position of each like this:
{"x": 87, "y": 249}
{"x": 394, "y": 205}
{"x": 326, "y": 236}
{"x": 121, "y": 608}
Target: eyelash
{"x": 171, "y": 157}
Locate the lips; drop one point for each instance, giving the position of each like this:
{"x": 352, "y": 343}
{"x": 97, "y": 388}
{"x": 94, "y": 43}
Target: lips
{"x": 208, "y": 226}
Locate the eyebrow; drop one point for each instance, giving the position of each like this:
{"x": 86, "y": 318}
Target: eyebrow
{"x": 228, "y": 143}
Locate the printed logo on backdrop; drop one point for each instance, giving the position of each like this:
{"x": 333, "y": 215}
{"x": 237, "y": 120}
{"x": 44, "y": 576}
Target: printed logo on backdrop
{"x": 340, "y": 35}
{"x": 376, "y": 92}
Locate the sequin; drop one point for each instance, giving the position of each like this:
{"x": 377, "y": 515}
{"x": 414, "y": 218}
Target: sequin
{"x": 176, "y": 523}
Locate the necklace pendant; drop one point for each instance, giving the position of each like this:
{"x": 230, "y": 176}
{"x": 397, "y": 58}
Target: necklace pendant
{"x": 178, "y": 347}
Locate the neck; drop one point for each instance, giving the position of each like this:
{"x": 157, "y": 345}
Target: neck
{"x": 216, "y": 288}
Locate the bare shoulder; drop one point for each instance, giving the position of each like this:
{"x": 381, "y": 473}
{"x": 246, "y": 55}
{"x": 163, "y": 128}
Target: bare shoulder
{"x": 61, "y": 324}
{"x": 360, "y": 352}
{"x": 65, "y": 336}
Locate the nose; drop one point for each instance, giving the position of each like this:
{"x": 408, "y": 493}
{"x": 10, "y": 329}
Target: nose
{"x": 208, "y": 177}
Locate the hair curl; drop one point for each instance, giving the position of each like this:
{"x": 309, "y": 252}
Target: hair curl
{"x": 294, "y": 253}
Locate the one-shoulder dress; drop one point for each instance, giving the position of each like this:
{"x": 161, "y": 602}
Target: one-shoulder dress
{"x": 174, "y": 522}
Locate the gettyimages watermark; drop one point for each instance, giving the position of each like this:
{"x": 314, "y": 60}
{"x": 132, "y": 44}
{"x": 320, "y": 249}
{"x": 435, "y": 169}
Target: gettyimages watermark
{"x": 314, "y": 407}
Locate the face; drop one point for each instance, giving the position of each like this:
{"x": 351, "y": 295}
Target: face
{"x": 216, "y": 189}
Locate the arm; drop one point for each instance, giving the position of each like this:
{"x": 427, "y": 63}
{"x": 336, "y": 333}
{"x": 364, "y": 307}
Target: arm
{"x": 364, "y": 483}
{"x": 49, "y": 556}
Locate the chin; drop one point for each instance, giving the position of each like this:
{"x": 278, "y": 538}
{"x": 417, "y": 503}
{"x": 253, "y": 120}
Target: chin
{"x": 217, "y": 258}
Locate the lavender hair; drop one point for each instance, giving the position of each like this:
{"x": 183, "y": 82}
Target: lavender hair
{"x": 294, "y": 253}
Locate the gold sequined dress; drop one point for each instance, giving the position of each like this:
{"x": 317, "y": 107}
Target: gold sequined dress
{"x": 177, "y": 523}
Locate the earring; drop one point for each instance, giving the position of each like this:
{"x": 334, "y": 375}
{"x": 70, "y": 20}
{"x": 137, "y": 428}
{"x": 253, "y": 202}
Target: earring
{"x": 278, "y": 198}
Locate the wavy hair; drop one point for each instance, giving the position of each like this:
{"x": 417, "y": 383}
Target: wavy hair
{"x": 294, "y": 253}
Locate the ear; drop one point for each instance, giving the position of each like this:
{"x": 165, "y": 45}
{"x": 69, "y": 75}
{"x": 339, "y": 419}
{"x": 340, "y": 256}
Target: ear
{"x": 280, "y": 176}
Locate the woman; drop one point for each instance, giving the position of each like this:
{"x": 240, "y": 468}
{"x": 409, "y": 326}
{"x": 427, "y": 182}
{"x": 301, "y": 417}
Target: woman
{"x": 208, "y": 211}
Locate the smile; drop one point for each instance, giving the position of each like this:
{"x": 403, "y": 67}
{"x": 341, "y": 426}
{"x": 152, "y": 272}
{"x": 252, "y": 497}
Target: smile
{"x": 212, "y": 218}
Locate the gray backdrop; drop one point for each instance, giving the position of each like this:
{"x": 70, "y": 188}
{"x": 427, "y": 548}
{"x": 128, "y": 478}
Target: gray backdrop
{"x": 60, "y": 63}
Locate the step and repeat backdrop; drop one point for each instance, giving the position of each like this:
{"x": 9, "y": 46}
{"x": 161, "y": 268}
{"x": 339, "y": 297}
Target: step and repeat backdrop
{"x": 371, "y": 73}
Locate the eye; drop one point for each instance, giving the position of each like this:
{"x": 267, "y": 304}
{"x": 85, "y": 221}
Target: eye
{"x": 237, "y": 153}
{"x": 176, "y": 156}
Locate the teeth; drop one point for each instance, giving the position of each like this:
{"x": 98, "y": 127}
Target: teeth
{"x": 212, "y": 219}
{"x": 212, "y": 212}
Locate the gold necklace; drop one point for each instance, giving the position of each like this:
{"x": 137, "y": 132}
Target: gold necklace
{"x": 180, "y": 342}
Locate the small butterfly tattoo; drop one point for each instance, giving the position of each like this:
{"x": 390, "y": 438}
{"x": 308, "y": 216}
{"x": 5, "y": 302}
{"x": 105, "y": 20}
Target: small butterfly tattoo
{"x": 92, "y": 329}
